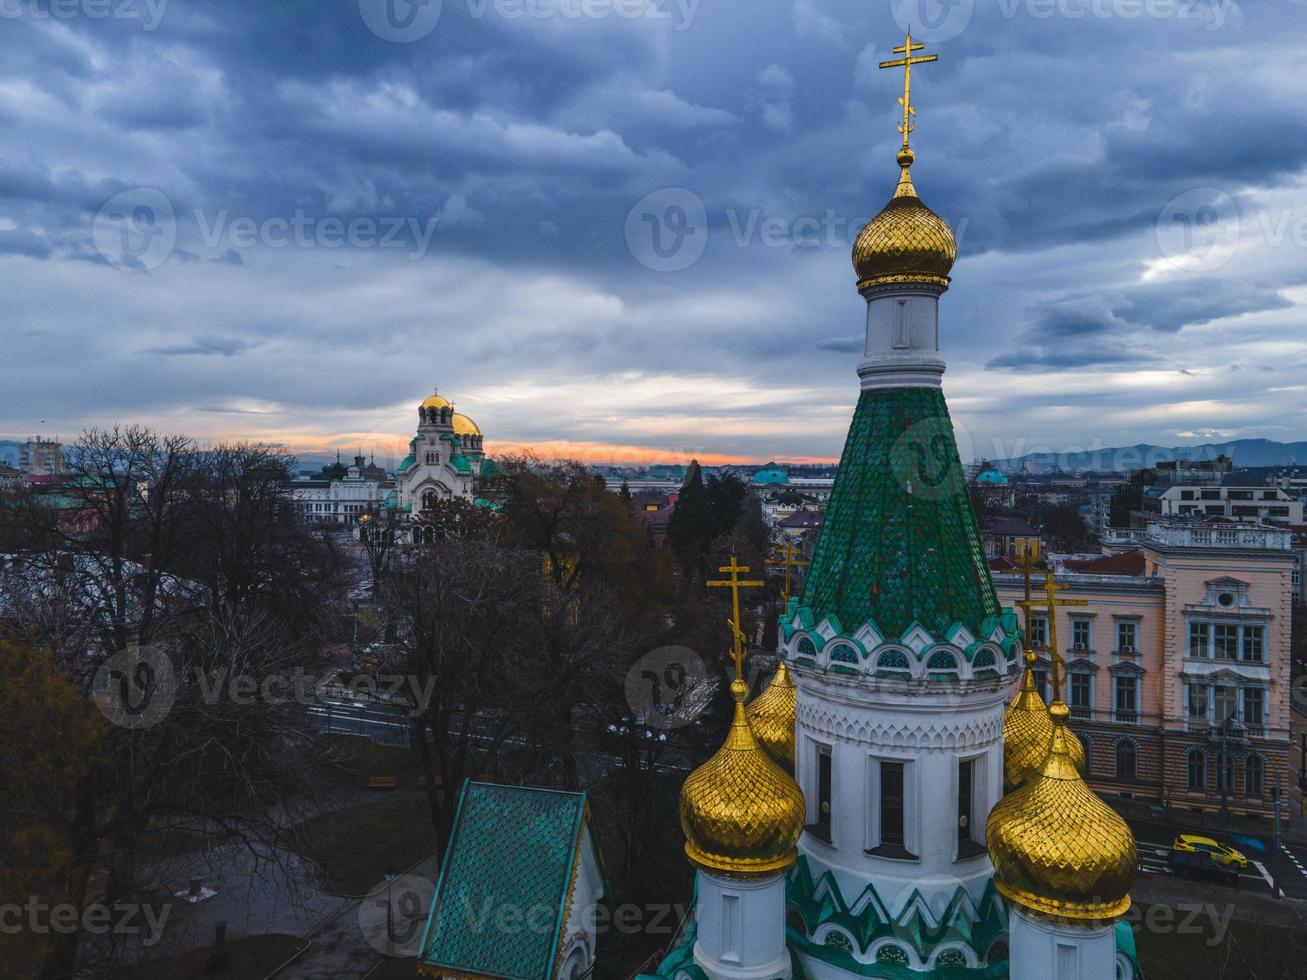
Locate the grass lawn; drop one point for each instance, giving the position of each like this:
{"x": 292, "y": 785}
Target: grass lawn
{"x": 1187, "y": 950}
{"x": 355, "y": 846}
{"x": 249, "y": 958}
{"x": 353, "y": 759}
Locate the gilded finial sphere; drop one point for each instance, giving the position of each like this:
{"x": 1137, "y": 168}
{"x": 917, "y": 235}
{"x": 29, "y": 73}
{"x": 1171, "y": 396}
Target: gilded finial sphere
{"x": 906, "y": 243}
{"x": 772, "y": 717}
{"x": 741, "y": 813}
{"x": 1058, "y": 850}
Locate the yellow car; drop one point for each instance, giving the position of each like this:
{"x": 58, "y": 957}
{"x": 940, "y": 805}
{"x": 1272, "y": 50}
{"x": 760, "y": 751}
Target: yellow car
{"x": 1219, "y": 853}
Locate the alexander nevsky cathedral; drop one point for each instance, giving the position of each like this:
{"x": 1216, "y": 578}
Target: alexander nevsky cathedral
{"x": 899, "y": 802}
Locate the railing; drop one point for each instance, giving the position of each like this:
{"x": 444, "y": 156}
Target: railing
{"x": 1126, "y": 717}
{"x": 1184, "y": 535}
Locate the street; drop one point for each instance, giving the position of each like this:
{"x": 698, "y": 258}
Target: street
{"x": 1154, "y": 842}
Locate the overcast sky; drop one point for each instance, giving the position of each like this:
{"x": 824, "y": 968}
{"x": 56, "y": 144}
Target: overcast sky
{"x": 621, "y": 228}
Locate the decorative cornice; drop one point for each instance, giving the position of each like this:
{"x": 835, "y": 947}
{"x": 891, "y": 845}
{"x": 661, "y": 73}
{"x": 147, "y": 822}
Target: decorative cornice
{"x": 926, "y": 732}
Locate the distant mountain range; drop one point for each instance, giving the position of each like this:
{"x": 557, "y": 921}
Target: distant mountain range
{"x": 1246, "y": 453}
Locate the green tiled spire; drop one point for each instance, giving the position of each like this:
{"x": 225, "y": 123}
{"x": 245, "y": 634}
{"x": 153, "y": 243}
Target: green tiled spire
{"x": 899, "y": 544}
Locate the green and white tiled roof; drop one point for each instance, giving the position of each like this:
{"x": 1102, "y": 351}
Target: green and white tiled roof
{"x": 511, "y": 846}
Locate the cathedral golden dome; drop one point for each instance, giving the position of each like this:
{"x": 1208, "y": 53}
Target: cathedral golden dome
{"x": 1058, "y": 850}
{"x": 436, "y": 401}
{"x": 464, "y": 426}
{"x": 1028, "y": 733}
{"x": 772, "y": 717}
{"x": 907, "y": 242}
{"x": 741, "y": 813}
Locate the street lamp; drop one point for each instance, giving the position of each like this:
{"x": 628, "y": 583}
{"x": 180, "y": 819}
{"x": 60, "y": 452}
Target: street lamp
{"x": 1227, "y": 733}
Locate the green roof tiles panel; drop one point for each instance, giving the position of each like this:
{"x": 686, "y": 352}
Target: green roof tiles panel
{"x": 899, "y": 544}
{"x": 511, "y": 847}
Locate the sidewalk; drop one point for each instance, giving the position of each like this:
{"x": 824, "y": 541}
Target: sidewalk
{"x": 340, "y": 948}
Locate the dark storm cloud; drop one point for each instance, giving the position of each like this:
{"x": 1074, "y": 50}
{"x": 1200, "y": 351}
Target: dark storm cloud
{"x": 1052, "y": 145}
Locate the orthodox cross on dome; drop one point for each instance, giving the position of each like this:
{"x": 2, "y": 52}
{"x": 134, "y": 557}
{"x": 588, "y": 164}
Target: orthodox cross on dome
{"x": 1028, "y": 561}
{"x": 1052, "y": 603}
{"x": 735, "y": 584}
{"x": 906, "y": 63}
{"x": 791, "y": 557}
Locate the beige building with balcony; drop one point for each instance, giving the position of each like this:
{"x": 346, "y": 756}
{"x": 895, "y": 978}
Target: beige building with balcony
{"x": 1178, "y": 664}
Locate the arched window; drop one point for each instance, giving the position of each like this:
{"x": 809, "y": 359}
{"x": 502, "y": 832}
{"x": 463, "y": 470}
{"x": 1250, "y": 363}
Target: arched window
{"x": 804, "y": 648}
{"x": 893, "y": 663}
{"x": 942, "y": 666}
{"x": 1127, "y": 759}
{"x": 984, "y": 665}
{"x": 843, "y": 654}
{"x": 1197, "y": 769}
{"x": 1254, "y": 776}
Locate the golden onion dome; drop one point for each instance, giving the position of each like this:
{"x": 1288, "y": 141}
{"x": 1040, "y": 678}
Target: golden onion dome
{"x": 907, "y": 242}
{"x": 436, "y": 401}
{"x": 772, "y": 718}
{"x": 741, "y": 813}
{"x": 1028, "y": 733}
{"x": 464, "y": 426}
{"x": 1058, "y": 850}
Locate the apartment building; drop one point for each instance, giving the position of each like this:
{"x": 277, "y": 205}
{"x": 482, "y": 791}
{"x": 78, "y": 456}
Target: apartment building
{"x": 1178, "y": 663}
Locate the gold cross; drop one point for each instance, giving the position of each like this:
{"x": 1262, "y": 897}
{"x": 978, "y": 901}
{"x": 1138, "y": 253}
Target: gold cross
{"x": 1052, "y": 603}
{"x": 790, "y": 558}
{"x": 735, "y": 584}
{"x": 906, "y": 63}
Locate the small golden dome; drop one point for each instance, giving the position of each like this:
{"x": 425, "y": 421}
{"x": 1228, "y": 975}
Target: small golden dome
{"x": 1028, "y": 733}
{"x": 772, "y": 717}
{"x": 741, "y": 813}
{"x": 436, "y": 401}
{"x": 907, "y": 242}
{"x": 1058, "y": 850}
{"x": 464, "y": 426}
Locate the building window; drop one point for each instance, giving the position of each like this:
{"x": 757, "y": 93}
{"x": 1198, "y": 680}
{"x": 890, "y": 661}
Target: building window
{"x": 821, "y": 827}
{"x": 1127, "y": 699}
{"x": 967, "y": 845}
{"x": 1038, "y": 633}
{"x": 1227, "y": 641}
{"x": 1254, "y": 776}
{"x": 1080, "y": 634}
{"x": 1080, "y": 696}
{"x": 1224, "y": 703}
{"x": 1254, "y": 708}
{"x": 1127, "y": 760}
{"x": 1197, "y": 702}
{"x": 1127, "y": 637}
{"x": 1200, "y": 637}
{"x": 1197, "y": 770}
{"x": 1041, "y": 683}
{"x": 893, "y": 811}
{"x": 1254, "y": 643}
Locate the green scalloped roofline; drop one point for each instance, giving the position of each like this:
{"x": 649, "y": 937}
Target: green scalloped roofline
{"x": 899, "y": 542}
{"x": 1006, "y": 640}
